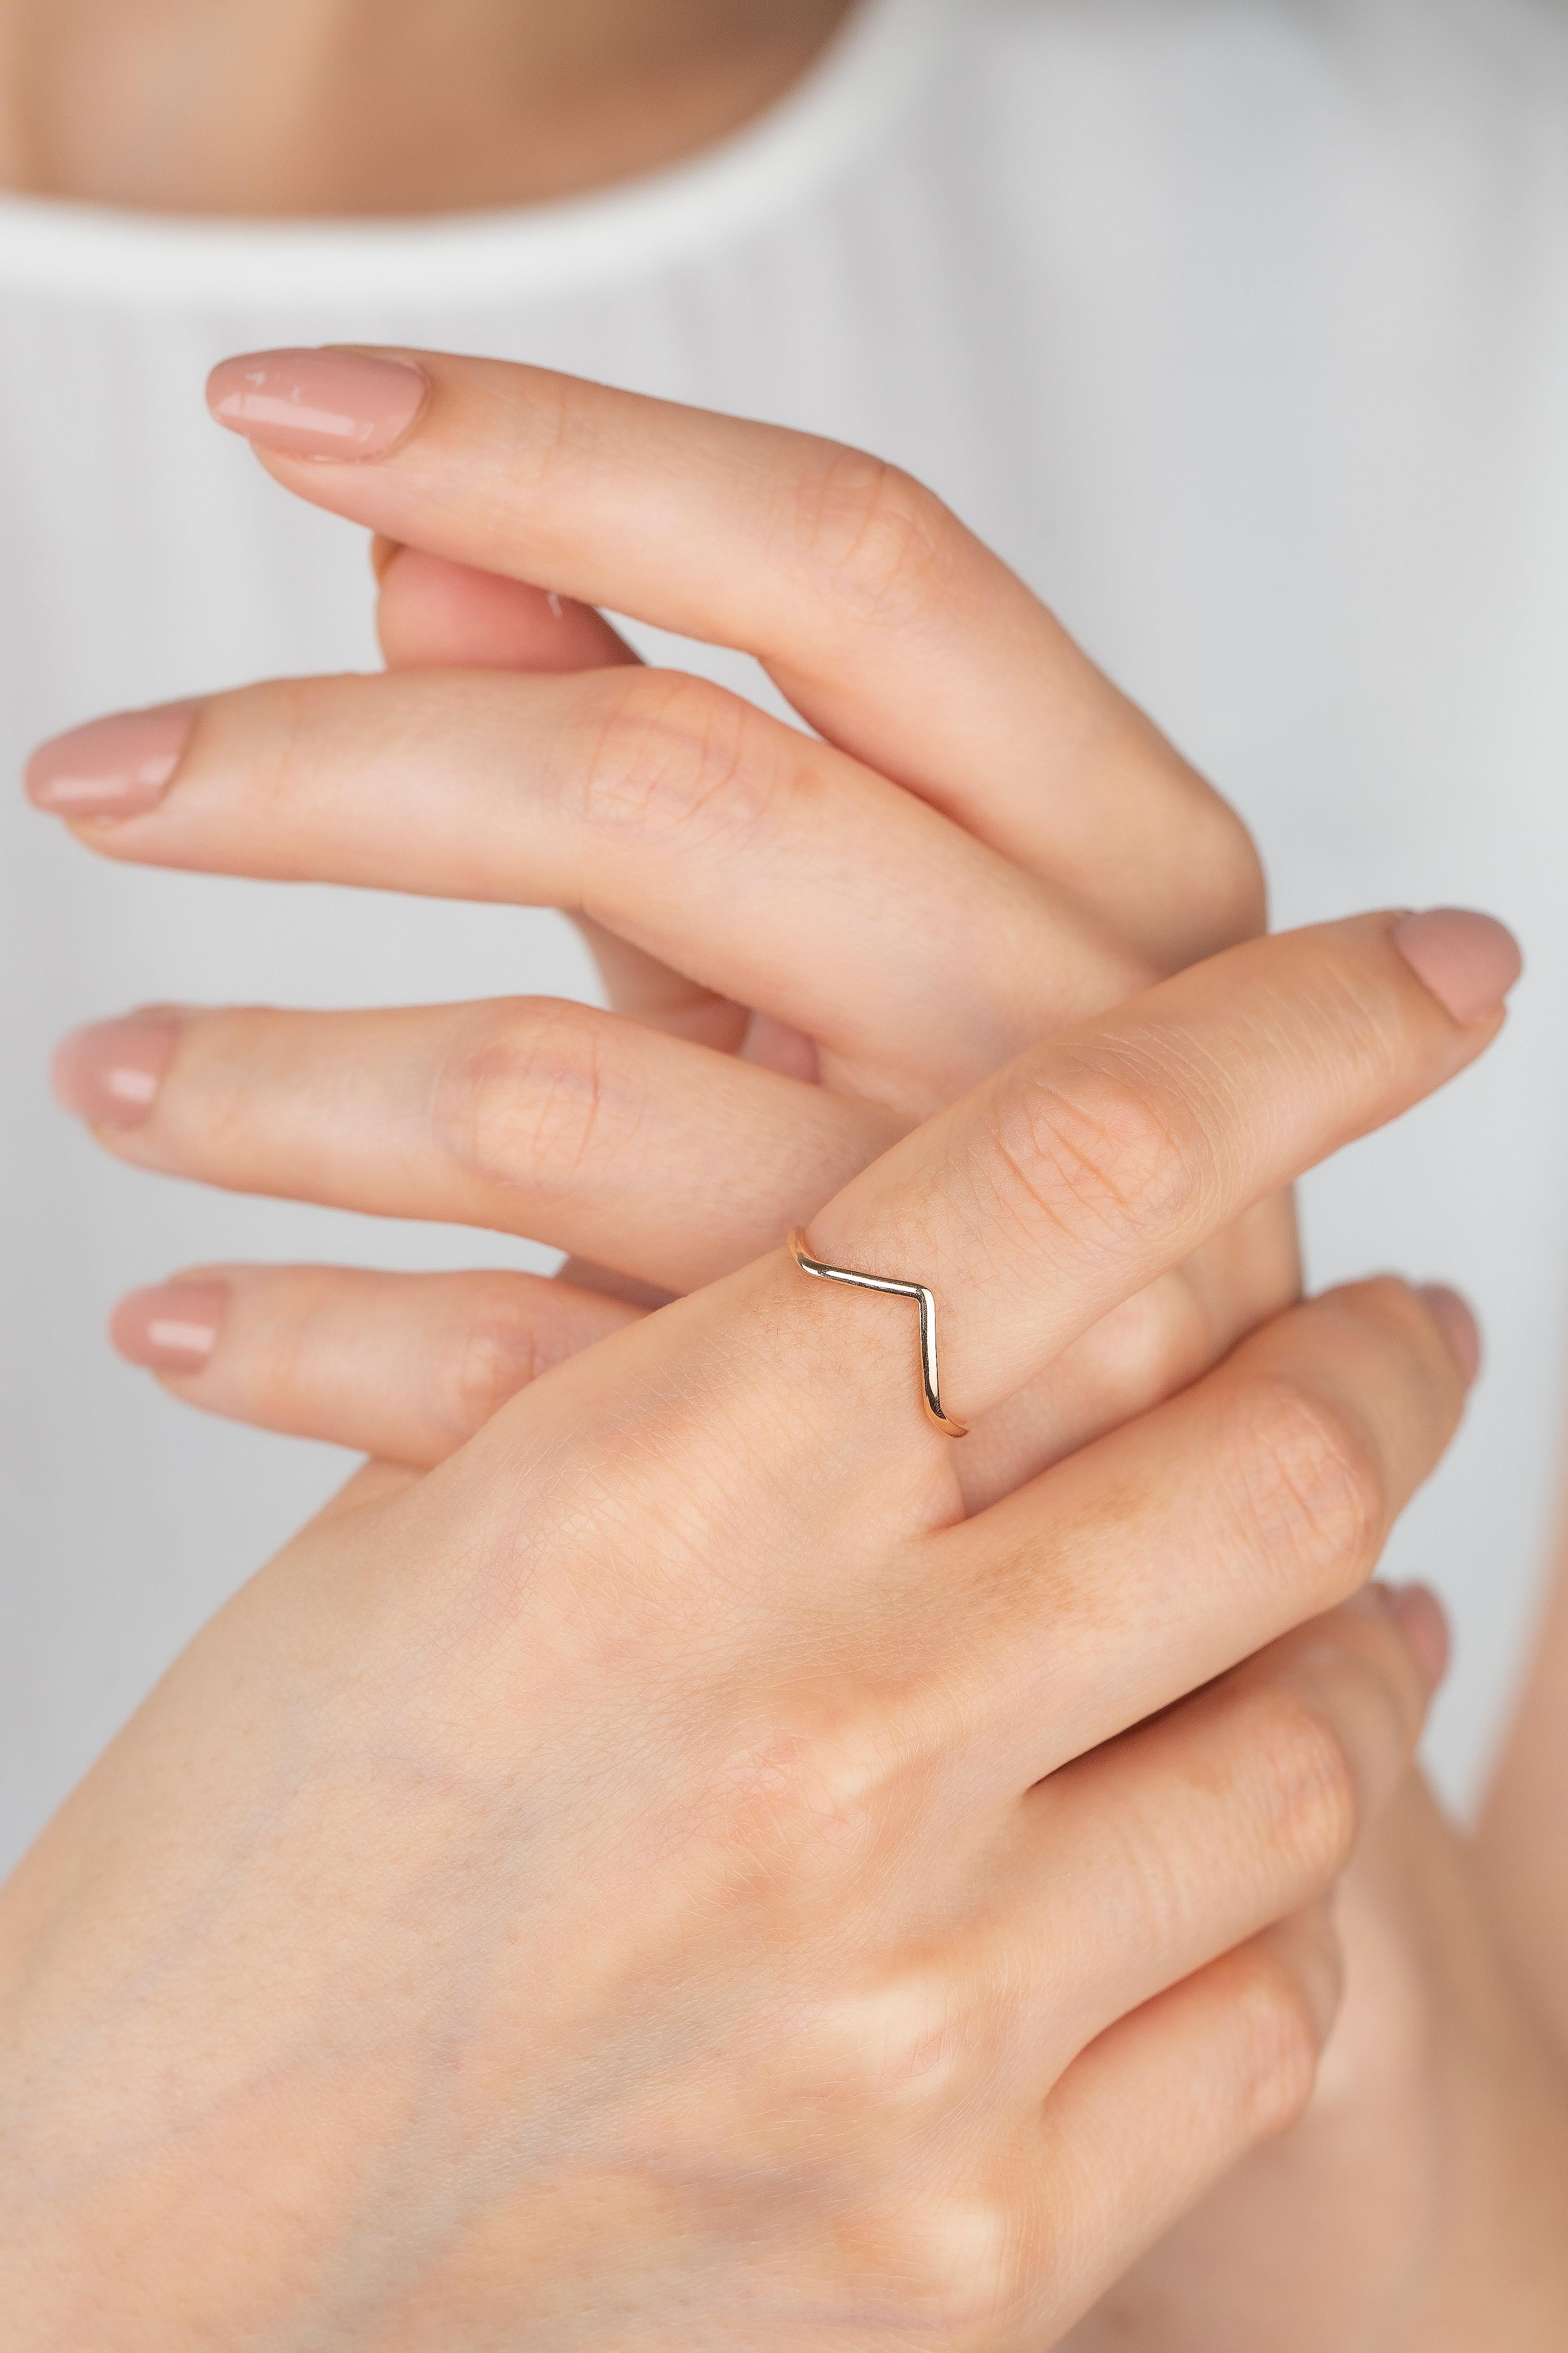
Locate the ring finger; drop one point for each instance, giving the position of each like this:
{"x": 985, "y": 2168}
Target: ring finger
{"x": 766, "y": 867}
{"x": 664, "y": 1161}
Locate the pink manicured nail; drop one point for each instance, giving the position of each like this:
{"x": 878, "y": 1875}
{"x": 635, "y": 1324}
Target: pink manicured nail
{"x": 109, "y": 1074}
{"x": 1458, "y": 1325}
{"x": 322, "y": 404}
{"x": 1424, "y": 1623}
{"x": 118, "y": 766}
{"x": 173, "y": 1328}
{"x": 1469, "y": 962}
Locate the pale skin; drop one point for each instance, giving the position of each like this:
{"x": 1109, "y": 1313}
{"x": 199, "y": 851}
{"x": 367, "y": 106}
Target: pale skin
{"x": 705, "y": 834}
{"x": 710, "y": 1886}
{"x": 415, "y": 604}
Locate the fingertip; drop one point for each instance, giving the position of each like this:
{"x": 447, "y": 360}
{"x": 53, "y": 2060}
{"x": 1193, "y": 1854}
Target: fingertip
{"x": 1469, "y": 961}
{"x": 337, "y": 404}
{"x": 171, "y": 1328}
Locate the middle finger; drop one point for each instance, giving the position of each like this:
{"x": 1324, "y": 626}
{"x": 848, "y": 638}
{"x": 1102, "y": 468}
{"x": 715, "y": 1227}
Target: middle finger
{"x": 768, "y": 867}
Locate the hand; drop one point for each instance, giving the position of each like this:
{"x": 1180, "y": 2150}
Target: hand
{"x": 668, "y": 1878}
{"x": 1418, "y": 2203}
{"x": 351, "y": 1356}
{"x": 1004, "y": 867}
{"x": 1418, "y": 2207}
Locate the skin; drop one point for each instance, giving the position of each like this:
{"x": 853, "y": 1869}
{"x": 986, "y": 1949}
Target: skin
{"x": 357, "y": 108}
{"x": 54, "y": 58}
{"x": 780, "y": 1907}
{"x": 241, "y": 1104}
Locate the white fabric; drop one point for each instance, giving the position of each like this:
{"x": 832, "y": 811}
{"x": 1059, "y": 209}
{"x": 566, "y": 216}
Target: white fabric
{"x": 1240, "y": 326}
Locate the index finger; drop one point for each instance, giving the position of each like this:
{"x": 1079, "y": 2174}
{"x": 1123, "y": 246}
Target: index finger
{"x": 887, "y": 623}
{"x": 1095, "y": 1162}
{"x": 1034, "y": 1206}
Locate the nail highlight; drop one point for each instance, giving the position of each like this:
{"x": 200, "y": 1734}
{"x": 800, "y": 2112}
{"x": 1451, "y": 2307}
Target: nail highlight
{"x": 1469, "y": 962}
{"x": 1454, "y": 1317}
{"x": 171, "y": 1328}
{"x": 118, "y": 766}
{"x": 318, "y": 404}
{"x": 109, "y": 1074}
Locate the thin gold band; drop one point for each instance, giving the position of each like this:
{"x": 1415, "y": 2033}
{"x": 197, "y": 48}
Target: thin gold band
{"x": 931, "y": 1387}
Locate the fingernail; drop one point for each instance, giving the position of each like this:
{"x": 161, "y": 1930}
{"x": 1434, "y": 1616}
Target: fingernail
{"x": 1457, "y": 1323}
{"x": 1469, "y": 962}
{"x": 109, "y": 1074}
{"x": 1424, "y": 1623}
{"x": 171, "y": 1328}
{"x": 318, "y": 404}
{"x": 118, "y": 766}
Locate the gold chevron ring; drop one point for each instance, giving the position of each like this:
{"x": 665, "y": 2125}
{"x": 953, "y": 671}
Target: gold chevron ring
{"x": 931, "y": 1388}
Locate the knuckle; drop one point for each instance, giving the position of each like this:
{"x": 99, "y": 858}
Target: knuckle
{"x": 673, "y": 756}
{"x": 901, "y": 2043}
{"x": 489, "y": 1354}
{"x": 819, "y": 1794}
{"x": 1313, "y": 1786}
{"x": 952, "y": 2261}
{"x": 1229, "y": 877}
{"x": 1312, "y": 1481}
{"x": 1108, "y": 1159}
{"x": 526, "y": 1095}
{"x": 1278, "y": 2034}
{"x": 879, "y": 543}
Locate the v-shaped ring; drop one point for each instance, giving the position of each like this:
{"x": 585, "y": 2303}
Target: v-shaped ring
{"x": 931, "y": 1387}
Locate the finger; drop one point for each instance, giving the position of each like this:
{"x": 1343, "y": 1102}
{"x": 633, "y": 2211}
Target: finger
{"x": 887, "y": 624}
{"x": 679, "y": 817}
{"x": 1167, "y": 2103}
{"x": 1194, "y": 1833}
{"x": 405, "y": 1367}
{"x": 657, "y": 1158}
{"x": 1073, "y": 1178}
{"x": 1254, "y": 1501}
{"x": 432, "y": 614}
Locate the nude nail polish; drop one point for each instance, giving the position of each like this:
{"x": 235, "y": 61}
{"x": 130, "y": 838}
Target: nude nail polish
{"x": 318, "y": 404}
{"x": 1469, "y": 962}
{"x": 171, "y": 1328}
{"x": 118, "y": 766}
{"x": 109, "y": 1074}
{"x": 1459, "y": 1326}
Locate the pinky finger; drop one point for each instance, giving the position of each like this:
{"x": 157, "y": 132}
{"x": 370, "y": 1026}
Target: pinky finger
{"x": 401, "y": 1367}
{"x": 1162, "y": 2106}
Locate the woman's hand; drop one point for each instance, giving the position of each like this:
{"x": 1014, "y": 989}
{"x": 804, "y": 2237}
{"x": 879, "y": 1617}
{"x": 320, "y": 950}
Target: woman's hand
{"x": 816, "y": 944}
{"x": 1419, "y": 2205}
{"x": 411, "y": 1367}
{"x": 668, "y": 1878}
